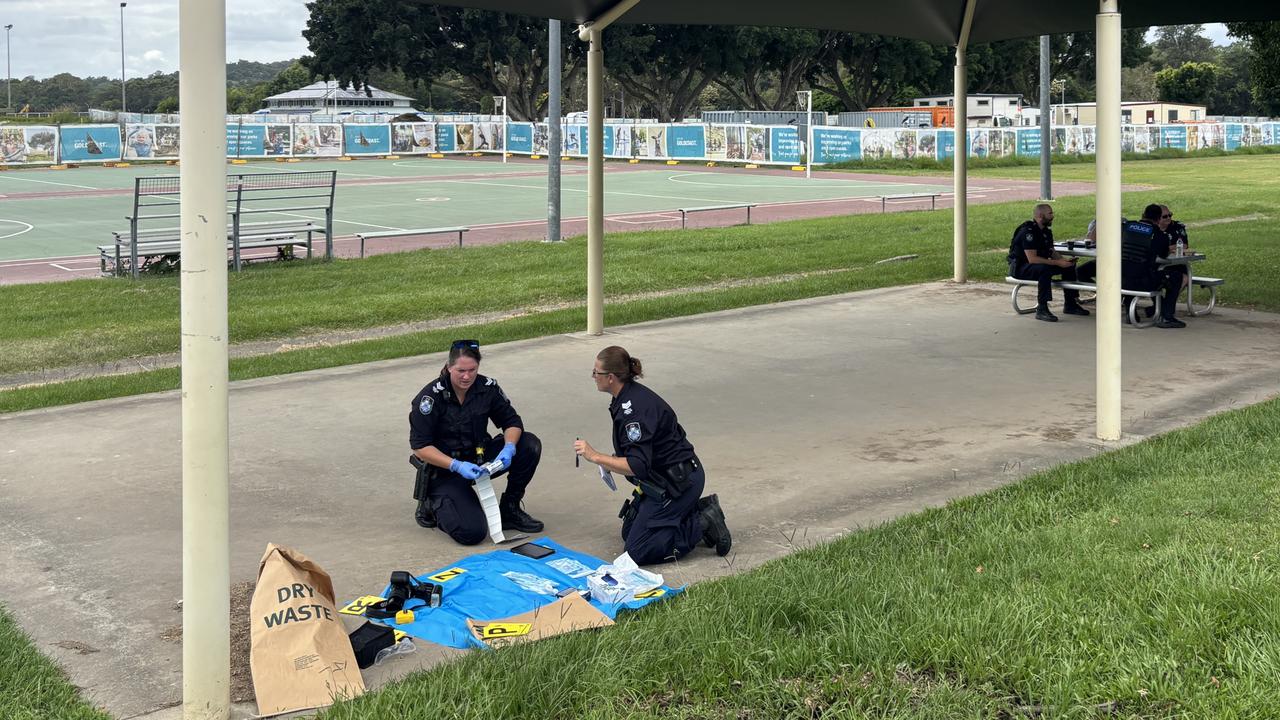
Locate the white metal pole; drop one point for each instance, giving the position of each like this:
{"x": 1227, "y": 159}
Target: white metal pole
{"x": 8, "y": 72}
{"x": 960, "y": 177}
{"x": 595, "y": 183}
{"x": 206, "y": 654}
{"x": 1108, "y": 219}
{"x": 553, "y": 130}
{"x": 808, "y": 133}
{"x": 504, "y": 128}
{"x": 122, "y": 102}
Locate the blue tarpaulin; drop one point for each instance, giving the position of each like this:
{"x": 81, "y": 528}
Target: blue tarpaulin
{"x": 500, "y": 584}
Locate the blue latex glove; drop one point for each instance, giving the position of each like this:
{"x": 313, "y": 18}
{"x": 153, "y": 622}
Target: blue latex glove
{"x": 508, "y": 452}
{"x": 469, "y": 471}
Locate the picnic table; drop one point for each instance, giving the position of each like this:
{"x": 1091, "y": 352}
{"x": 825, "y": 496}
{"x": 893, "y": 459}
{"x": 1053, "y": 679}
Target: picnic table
{"x": 1077, "y": 248}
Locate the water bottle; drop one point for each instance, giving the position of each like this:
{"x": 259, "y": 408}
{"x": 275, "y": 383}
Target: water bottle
{"x": 1179, "y": 247}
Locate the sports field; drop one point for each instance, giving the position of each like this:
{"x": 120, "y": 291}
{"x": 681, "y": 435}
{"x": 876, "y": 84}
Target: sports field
{"x": 51, "y": 214}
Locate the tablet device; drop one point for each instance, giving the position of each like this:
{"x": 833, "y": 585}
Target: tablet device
{"x": 532, "y": 550}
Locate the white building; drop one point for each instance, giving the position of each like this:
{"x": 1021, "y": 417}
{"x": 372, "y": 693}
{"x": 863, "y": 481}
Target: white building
{"x": 326, "y": 97}
{"x": 984, "y": 110}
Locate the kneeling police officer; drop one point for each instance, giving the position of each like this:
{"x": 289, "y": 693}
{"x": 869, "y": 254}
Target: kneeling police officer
{"x": 665, "y": 518}
{"x": 448, "y": 432}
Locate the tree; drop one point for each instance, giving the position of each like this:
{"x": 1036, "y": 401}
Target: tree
{"x": 1193, "y": 82}
{"x": 1233, "y": 95}
{"x": 1177, "y": 45}
{"x": 494, "y": 53}
{"x": 168, "y": 105}
{"x": 863, "y": 71}
{"x": 773, "y": 65}
{"x": 666, "y": 68}
{"x": 1264, "y": 66}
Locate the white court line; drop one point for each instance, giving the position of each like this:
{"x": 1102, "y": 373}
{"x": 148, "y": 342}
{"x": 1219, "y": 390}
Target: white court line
{"x": 349, "y": 222}
{"x": 542, "y": 188}
{"x": 83, "y": 269}
{"x": 664, "y": 217}
{"x": 48, "y": 182}
{"x": 29, "y": 227}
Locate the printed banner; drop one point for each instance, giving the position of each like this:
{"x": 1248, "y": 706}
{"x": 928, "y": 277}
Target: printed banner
{"x": 413, "y": 138}
{"x": 317, "y": 140}
{"x": 366, "y": 139}
{"x": 246, "y": 141}
{"x": 489, "y": 137}
{"x": 446, "y": 140}
{"x": 88, "y": 143}
{"x": 785, "y": 144}
{"x": 279, "y": 140}
{"x": 1029, "y": 142}
{"x": 836, "y": 145}
{"x": 1173, "y": 136}
{"x": 686, "y": 142}
{"x": 32, "y": 144}
{"x": 946, "y": 144}
{"x": 520, "y": 138}
{"x": 1234, "y": 137}
{"x": 617, "y": 141}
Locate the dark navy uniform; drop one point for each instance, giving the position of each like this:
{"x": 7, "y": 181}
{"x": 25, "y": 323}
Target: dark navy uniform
{"x": 1030, "y": 236}
{"x": 1141, "y": 244}
{"x": 661, "y": 522}
{"x": 461, "y": 431}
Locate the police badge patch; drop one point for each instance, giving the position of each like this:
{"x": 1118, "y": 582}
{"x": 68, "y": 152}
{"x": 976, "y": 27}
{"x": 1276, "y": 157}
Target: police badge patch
{"x": 633, "y": 431}
{"x": 626, "y": 408}
{"x": 425, "y": 404}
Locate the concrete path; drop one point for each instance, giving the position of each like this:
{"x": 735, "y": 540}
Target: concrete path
{"x": 813, "y": 418}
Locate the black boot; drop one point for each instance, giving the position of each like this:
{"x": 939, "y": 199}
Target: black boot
{"x": 715, "y": 533}
{"x": 425, "y": 516}
{"x": 1043, "y": 313}
{"x": 513, "y": 518}
{"x": 1072, "y": 307}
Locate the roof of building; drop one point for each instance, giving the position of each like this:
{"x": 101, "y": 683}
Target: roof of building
{"x": 328, "y": 90}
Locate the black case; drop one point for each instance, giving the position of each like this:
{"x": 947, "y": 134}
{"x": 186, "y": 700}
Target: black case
{"x": 368, "y": 639}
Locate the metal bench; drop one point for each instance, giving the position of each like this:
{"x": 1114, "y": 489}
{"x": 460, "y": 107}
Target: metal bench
{"x": 1152, "y": 295}
{"x": 151, "y": 244}
{"x": 1205, "y": 282}
{"x": 684, "y": 212}
{"x": 410, "y": 233}
{"x": 933, "y": 199}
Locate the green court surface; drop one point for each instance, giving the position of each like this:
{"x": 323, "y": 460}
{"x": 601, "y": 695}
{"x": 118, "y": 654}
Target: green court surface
{"x": 66, "y": 213}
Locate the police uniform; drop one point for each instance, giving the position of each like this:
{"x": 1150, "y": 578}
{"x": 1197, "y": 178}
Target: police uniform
{"x": 460, "y": 430}
{"x": 1030, "y": 236}
{"x": 1141, "y": 244}
{"x": 662, "y": 521}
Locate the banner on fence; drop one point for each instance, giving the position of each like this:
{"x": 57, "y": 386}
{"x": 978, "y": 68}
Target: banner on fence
{"x": 785, "y": 145}
{"x": 32, "y": 144}
{"x": 317, "y": 140}
{"x": 89, "y": 143}
{"x": 366, "y": 139}
{"x": 520, "y": 138}
{"x": 687, "y": 142}
{"x": 246, "y": 141}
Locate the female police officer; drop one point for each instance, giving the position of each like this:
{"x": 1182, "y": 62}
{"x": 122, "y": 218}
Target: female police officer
{"x": 448, "y": 431}
{"x": 665, "y": 518}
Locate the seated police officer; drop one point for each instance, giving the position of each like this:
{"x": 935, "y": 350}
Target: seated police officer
{"x": 665, "y": 518}
{"x": 1032, "y": 257}
{"x": 1142, "y": 243}
{"x": 448, "y": 431}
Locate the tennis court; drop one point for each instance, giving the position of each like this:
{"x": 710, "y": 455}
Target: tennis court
{"x": 52, "y": 220}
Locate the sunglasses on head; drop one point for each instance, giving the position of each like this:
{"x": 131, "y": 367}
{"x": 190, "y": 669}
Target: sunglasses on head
{"x": 464, "y": 344}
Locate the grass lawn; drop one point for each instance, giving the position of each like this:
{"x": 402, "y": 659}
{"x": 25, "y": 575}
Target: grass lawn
{"x": 92, "y": 321}
{"x": 1140, "y": 584}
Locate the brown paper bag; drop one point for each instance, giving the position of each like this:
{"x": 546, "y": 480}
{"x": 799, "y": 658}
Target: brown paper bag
{"x": 301, "y": 657}
{"x": 570, "y": 613}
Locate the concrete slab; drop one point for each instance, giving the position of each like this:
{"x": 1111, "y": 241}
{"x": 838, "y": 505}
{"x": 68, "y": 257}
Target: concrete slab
{"x": 812, "y": 417}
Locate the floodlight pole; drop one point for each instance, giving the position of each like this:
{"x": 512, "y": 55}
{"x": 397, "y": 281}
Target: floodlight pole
{"x": 206, "y": 652}
{"x": 592, "y": 32}
{"x": 1046, "y": 138}
{"x": 122, "y": 103}
{"x": 503, "y": 98}
{"x": 806, "y": 97}
{"x": 1107, "y": 324}
{"x": 8, "y": 72}
{"x": 554, "y": 78}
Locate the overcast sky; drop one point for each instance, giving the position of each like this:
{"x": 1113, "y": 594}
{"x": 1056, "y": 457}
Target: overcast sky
{"x": 82, "y": 37}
